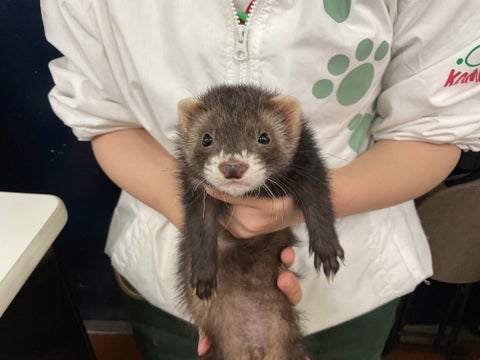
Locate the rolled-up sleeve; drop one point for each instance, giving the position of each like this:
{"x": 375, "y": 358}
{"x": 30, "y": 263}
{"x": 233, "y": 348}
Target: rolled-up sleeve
{"x": 86, "y": 96}
{"x": 432, "y": 85}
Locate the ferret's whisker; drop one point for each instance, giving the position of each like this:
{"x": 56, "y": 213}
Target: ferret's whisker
{"x": 279, "y": 185}
{"x": 269, "y": 192}
{"x": 204, "y": 202}
{"x": 198, "y": 183}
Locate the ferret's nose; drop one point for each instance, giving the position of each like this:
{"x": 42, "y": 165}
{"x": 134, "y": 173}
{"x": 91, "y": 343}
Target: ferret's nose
{"x": 233, "y": 169}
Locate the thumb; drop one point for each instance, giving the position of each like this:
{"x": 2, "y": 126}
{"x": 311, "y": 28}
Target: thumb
{"x": 289, "y": 285}
{"x": 203, "y": 343}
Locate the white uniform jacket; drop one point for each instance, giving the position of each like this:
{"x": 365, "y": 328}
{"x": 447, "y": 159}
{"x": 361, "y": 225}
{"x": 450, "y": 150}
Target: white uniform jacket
{"x": 363, "y": 70}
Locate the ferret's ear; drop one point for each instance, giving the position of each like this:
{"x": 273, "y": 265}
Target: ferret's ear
{"x": 187, "y": 110}
{"x": 289, "y": 107}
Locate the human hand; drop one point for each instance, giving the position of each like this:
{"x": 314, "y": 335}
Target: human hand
{"x": 286, "y": 282}
{"x": 250, "y": 216}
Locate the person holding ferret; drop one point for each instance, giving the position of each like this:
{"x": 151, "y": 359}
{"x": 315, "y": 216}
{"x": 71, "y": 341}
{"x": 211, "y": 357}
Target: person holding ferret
{"x": 388, "y": 89}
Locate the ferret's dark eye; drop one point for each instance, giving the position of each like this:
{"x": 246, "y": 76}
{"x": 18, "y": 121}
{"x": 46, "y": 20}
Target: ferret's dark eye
{"x": 264, "y": 139}
{"x": 207, "y": 140}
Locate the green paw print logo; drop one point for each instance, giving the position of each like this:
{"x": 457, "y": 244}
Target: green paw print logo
{"x": 353, "y": 84}
{"x": 356, "y": 82}
{"x": 359, "y": 125}
{"x": 338, "y": 10}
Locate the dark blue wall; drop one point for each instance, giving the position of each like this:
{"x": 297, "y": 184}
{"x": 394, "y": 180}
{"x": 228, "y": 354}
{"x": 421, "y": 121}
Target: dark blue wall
{"x": 39, "y": 154}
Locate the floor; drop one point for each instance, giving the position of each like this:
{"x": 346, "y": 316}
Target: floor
{"x": 115, "y": 347}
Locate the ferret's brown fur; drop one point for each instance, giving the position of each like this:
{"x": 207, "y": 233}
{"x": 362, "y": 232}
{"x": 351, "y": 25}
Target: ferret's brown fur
{"x": 244, "y": 140}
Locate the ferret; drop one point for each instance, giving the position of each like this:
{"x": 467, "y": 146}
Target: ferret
{"x": 245, "y": 140}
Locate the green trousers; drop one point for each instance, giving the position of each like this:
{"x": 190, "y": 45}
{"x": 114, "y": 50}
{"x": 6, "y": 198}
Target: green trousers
{"x": 160, "y": 335}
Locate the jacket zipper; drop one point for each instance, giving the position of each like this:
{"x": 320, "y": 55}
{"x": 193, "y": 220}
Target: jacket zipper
{"x": 240, "y": 53}
{"x": 241, "y": 50}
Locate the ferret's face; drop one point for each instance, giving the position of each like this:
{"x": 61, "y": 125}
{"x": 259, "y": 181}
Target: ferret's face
{"x": 237, "y": 153}
{"x": 236, "y": 173}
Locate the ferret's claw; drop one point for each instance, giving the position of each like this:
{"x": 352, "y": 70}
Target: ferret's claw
{"x": 203, "y": 280}
{"x": 328, "y": 257}
{"x": 204, "y": 289}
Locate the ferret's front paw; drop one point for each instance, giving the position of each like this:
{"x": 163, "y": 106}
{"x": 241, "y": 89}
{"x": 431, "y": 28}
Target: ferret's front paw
{"x": 328, "y": 256}
{"x": 203, "y": 284}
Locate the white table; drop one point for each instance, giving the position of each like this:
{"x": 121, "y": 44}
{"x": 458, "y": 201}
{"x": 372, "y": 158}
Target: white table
{"x": 29, "y": 224}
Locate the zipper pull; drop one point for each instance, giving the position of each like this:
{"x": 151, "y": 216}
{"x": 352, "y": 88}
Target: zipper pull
{"x": 241, "y": 52}
{"x": 242, "y": 17}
